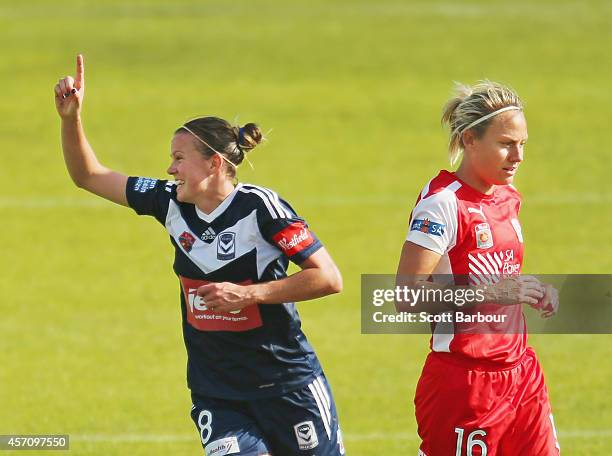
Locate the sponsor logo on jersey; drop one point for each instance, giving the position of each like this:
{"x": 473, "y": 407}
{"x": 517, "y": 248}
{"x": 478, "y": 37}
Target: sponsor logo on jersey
{"x": 517, "y": 228}
{"x": 226, "y": 246}
{"x": 209, "y": 234}
{"x": 490, "y": 267}
{"x": 293, "y": 238}
{"x": 144, "y": 184}
{"x": 473, "y": 210}
{"x": 227, "y": 445}
{"x": 186, "y": 239}
{"x": 203, "y": 319}
{"x": 306, "y": 435}
{"x": 484, "y": 238}
{"x": 428, "y": 227}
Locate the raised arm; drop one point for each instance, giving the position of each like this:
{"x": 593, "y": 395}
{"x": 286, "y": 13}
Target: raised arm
{"x": 83, "y": 166}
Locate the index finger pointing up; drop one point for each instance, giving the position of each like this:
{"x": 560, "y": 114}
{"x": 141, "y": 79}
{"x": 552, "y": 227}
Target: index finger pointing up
{"x": 79, "y": 81}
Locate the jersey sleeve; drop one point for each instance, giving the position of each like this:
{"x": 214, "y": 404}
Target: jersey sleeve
{"x": 283, "y": 228}
{"x": 433, "y": 224}
{"x": 149, "y": 196}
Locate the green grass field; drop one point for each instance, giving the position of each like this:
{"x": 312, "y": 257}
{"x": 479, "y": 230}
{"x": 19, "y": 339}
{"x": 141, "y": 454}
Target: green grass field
{"x": 90, "y": 341}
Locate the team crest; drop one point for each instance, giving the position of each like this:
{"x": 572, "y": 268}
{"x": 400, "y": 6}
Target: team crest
{"x": 226, "y": 246}
{"x": 186, "y": 240}
{"x": 484, "y": 238}
{"x": 306, "y": 435}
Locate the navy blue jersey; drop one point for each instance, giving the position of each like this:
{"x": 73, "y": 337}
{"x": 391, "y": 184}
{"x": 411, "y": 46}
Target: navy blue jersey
{"x": 259, "y": 351}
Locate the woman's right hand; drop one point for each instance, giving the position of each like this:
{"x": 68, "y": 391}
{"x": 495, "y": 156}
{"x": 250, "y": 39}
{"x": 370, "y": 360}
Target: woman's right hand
{"x": 69, "y": 92}
{"x": 512, "y": 290}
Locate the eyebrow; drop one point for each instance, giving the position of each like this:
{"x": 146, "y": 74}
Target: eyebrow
{"x": 510, "y": 138}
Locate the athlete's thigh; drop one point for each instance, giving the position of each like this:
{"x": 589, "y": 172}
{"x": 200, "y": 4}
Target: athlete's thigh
{"x": 225, "y": 427}
{"x": 533, "y": 431}
{"x": 460, "y": 411}
{"x": 303, "y": 422}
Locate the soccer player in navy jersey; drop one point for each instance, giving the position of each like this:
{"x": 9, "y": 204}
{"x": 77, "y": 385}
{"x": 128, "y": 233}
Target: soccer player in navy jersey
{"x": 256, "y": 384}
{"x": 482, "y": 389}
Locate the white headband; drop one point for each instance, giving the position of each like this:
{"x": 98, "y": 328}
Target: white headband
{"x": 234, "y": 165}
{"x": 488, "y": 116}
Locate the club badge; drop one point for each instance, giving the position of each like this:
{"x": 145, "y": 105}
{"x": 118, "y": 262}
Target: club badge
{"x": 484, "y": 238}
{"x": 306, "y": 435}
{"x": 226, "y": 246}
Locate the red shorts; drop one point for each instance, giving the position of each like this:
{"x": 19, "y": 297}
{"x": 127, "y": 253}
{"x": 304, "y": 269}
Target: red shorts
{"x": 470, "y": 410}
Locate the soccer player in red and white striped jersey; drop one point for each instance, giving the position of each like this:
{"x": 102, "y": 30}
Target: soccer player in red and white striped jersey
{"x": 482, "y": 390}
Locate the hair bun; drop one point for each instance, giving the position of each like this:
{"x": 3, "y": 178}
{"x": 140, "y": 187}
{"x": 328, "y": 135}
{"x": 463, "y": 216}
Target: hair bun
{"x": 250, "y": 135}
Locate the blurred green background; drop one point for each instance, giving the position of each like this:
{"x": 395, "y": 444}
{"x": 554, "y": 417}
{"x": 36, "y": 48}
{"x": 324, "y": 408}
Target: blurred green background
{"x": 90, "y": 341}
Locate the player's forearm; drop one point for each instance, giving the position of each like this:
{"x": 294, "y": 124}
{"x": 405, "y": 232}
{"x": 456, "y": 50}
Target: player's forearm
{"x": 306, "y": 284}
{"x": 80, "y": 158}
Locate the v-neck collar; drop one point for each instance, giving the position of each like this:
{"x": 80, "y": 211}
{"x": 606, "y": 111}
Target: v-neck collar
{"x": 217, "y": 211}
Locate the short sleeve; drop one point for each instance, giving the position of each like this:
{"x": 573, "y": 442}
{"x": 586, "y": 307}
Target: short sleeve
{"x": 433, "y": 224}
{"x": 149, "y": 196}
{"x": 283, "y": 228}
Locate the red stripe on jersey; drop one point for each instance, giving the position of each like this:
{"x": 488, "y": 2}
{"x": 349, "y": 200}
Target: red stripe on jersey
{"x": 293, "y": 238}
{"x": 203, "y": 319}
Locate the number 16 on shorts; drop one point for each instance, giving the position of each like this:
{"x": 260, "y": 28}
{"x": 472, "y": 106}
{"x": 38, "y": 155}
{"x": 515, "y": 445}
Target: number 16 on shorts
{"x": 471, "y": 443}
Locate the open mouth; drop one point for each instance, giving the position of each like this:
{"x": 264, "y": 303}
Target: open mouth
{"x": 511, "y": 169}
{"x": 179, "y": 183}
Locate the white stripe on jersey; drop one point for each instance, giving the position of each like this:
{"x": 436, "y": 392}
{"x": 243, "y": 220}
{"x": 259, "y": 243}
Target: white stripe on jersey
{"x": 481, "y": 271}
{"x": 498, "y": 259}
{"x": 474, "y": 279}
{"x": 319, "y": 380}
{"x": 276, "y": 201}
{"x": 324, "y": 397}
{"x": 442, "y": 337}
{"x": 264, "y": 198}
{"x": 326, "y": 420}
{"x": 493, "y": 263}
{"x": 480, "y": 277}
{"x": 486, "y": 263}
{"x": 454, "y": 186}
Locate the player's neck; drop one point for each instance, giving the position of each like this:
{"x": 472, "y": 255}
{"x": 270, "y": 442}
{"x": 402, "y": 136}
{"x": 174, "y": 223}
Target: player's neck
{"x": 467, "y": 175}
{"x": 208, "y": 200}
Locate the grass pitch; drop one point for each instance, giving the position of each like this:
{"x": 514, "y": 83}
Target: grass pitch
{"x": 90, "y": 326}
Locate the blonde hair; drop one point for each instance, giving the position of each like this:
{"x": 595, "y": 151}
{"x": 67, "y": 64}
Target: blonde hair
{"x": 469, "y": 104}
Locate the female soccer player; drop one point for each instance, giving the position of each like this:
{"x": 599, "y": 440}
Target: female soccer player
{"x": 256, "y": 384}
{"x": 481, "y": 391}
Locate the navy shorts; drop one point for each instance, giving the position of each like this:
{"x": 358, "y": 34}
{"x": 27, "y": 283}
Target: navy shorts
{"x": 302, "y": 422}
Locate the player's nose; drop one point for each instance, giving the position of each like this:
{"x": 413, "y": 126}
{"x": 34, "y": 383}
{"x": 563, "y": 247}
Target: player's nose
{"x": 516, "y": 154}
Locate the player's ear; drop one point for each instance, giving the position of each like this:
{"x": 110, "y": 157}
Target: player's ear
{"x": 468, "y": 137}
{"x": 216, "y": 163}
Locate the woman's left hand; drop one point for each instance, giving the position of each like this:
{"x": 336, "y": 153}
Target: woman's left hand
{"x": 226, "y": 296}
{"x": 549, "y": 304}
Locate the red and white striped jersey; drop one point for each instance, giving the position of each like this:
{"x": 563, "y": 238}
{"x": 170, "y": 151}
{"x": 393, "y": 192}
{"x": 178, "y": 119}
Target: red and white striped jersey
{"x": 479, "y": 237}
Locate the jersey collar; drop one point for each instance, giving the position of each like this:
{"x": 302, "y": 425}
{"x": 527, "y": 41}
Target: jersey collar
{"x": 208, "y": 218}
